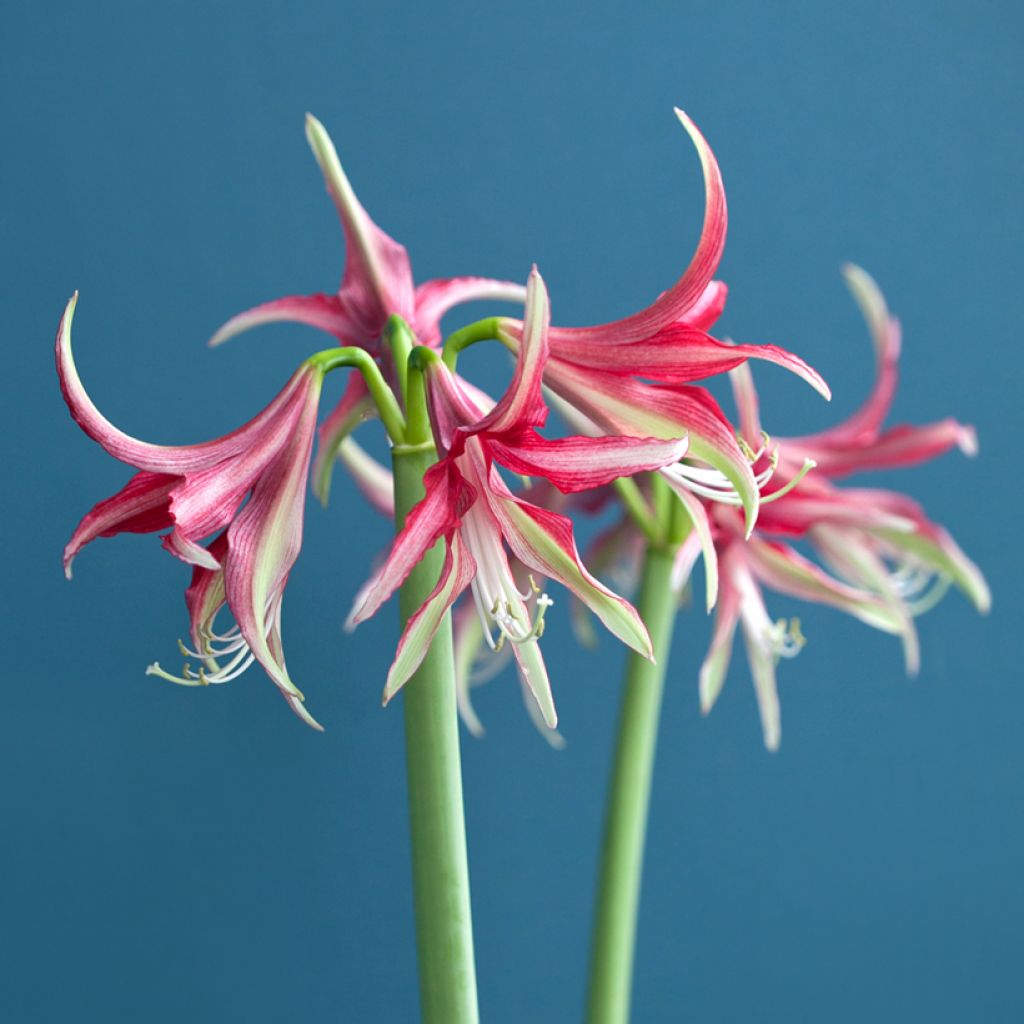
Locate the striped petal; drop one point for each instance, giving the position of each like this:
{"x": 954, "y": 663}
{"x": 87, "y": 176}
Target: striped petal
{"x": 436, "y": 298}
{"x": 321, "y": 311}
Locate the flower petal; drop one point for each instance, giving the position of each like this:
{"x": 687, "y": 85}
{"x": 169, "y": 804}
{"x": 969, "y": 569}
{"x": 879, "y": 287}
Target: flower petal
{"x": 321, "y": 311}
{"x": 698, "y": 516}
{"x": 522, "y": 405}
{"x": 431, "y": 518}
{"x": 141, "y": 506}
{"x": 456, "y": 574}
{"x": 153, "y": 457}
{"x": 435, "y": 298}
{"x": 582, "y": 463}
{"x": 716, "y": 662}
{"x": 689, "y": 290}
{"x": 378, "y": 279}
{"x": 537, "y": 686}
{"x": 543, "y": 541}
{"x": 355, "y": 406}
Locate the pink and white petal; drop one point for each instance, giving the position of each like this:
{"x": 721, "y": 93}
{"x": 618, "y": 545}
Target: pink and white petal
{"x": 324, "y": 312}
{"x": 534, "y": 675}
{"x": 378, "y": 279}
{"x": 716, "y": 662}
{"x": 141, "y": 506}
{"x": 205, "y": 595}
{"x": 431, "y": 518}
{"x": 188, "y": 550}
{"x": 453, "y": 413}
{"x": 708, "y": 308}
{"x": 787, "y": 571}
{"x": 457, "y": 573}
{"x": 543, "y": 541}
{"x": 522, "y": 405}
{"x": 582, "y": 463}
{"x": 436, "y": 298}
{"x": 153, "y": 457}
{"x": 900, "y": 446}
{"x": 688, "y": 291}
{"x": 468, "y": 644}
{"x": 263, "y": 543}
{"x": 747, "y": 405}
{"x": 354, "y": 407}
{"x": 698, "y": 516}
{"x": 762, "y": 669}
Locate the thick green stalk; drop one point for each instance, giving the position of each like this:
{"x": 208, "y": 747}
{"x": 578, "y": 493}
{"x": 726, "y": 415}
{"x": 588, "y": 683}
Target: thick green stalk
{"x": 618, "y": 891}
{"x": 444, "y": 928}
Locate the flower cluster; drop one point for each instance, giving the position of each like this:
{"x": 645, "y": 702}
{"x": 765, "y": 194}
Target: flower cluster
{"x": 233, "y": 508}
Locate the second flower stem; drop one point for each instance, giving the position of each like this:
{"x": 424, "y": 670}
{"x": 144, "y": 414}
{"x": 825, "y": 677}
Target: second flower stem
{"x": 618, "y": 891}
{"x": 444, "y": 927}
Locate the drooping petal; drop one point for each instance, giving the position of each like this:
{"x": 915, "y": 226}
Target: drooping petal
{"x": 434, "y": 516}
{"x": 534, "y": 675}
{"x": 689, "y": 290}
{"x": 141, "y": 506}
{"x": 435, "y": 298}
{"x": 698, "y": 516}
{"x": 188, "y": 550}
{"x": 716, "y": 662}
{"x": 456, "y": 574}
{"x": 543, "y": 541}
{"x": 321, "y": 311}
{"x": 263, "y": 543}
{"x": 378, "y": 279}
{"x": 522, "y": 405}
{"x": 374, "y": 480}
{"x": 355, "y": 406}
{"x": 582, "y": 463}
{"x": 787, "y": 571}
{"x": 153, "y": 457}
{"x": 708, "y": 308}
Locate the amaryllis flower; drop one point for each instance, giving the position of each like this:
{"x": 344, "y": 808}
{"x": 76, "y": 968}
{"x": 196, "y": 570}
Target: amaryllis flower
{"x": 196, "y": 492}
{"x": 632, "y": 376}
{"x": 891, "y": 563}
{"x": 468, "y": 504}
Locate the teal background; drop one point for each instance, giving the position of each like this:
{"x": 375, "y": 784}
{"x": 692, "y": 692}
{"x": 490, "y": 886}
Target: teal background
{"x": 172, "y": 855}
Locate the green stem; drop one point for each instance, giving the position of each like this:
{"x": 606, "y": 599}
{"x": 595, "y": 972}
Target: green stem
{"x": 444, "y": 928}
{"x": 618, "y": 892}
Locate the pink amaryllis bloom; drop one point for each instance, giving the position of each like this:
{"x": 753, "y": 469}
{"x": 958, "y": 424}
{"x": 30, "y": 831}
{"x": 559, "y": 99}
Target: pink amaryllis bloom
{"x": 245, "y": 490}
{"x": 468, "y": 504}
{"x": 633, "y": 376}
{"x": 891, "y": 563}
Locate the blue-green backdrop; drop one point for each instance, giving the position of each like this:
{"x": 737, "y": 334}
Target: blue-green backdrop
{"x": 172, "y": 855}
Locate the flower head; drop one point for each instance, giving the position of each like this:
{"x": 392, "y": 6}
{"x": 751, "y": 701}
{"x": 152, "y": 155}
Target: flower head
{"x": 199, "y": 491}
{"x": 469, "y": 505}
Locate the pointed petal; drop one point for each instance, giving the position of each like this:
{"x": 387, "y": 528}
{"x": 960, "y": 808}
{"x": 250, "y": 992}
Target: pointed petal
{"x": 153, "y": 457}
{"x": 679, "y": 354}
{"x": 582, "y": 463}
{"x": 708, "y": 308}
{"x": 698, "y": 516}
{"x": 435, "y": 298}
{"x": 716, "y": 662}
{"x": 456, "y": 574}
{"x": 141, "y": 506}
{"x": 688, "y": 291}
{"x": 534, "y": 675}
{"x": 188, "y": 550}
{"x": 431, "y": 518}
{"x": 544, "y": 542}
{"x": 762, "y": 668}
{"x": 263, "y": 543}
{"x": 787, "y": 571}
{"x": 355, "y": 406}
{"x": 378, "y": 278}
{"x": 745, "y": 396}
{"x": 522, "y": 405}
{"x": 321, "y": 311}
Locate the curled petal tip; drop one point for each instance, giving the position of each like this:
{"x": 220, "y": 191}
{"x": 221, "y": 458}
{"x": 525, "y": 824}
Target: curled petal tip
{"x": 968, "y": 441}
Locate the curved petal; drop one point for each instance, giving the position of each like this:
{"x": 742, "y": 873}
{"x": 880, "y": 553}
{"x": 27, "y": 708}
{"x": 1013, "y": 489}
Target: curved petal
{"x": 435, "y": 298}
{"x": 522, "y": 405}
{"x": 708, "y": 308}
{"x": 141, "y": 506}
{"x": 716, "y": 661}
{"x": 431, "y": 518}
{"x": 543, "y": 541}
{"x": 321, "y": 311}
{"x": 456, "y": 574}
{"x": 378, "y": 279}
{"x": 581, "y": 463}
{"x": 153, "y": 457}
{"x": 689, "y": 290}
{"x": 698, "y": 516}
